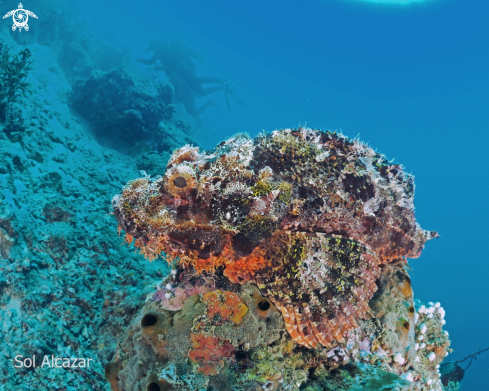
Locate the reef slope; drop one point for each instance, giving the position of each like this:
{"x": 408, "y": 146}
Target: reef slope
{"x": 67, "y": 286}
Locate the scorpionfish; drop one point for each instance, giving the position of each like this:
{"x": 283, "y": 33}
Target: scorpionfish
{"x": 306, "y": 215}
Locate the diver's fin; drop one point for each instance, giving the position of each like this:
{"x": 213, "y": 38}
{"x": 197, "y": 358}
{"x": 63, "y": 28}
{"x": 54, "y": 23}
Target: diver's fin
{"x": 196, "y": 115}
{"x": 209, "y": 103}
{"x": 229, "y": 92}
{"x": 227, "y": 99}
{"x": 226, "y": 85}
{"x": 237, "y": 100}
{"x": 199, "y": 124}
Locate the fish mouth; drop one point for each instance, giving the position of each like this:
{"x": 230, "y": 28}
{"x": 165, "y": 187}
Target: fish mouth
{"x": 204, "y": 240}
{"x": 304, "y": 230}
{"x": 176, "y": 240}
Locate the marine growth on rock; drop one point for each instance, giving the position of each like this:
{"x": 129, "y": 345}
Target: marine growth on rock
{"x": 307, "y": 216}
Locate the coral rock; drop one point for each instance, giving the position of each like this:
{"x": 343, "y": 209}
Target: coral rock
{"x": 205, "y": 341}
{"x": 231, "y": 337}
{"x": 6, "y": 244}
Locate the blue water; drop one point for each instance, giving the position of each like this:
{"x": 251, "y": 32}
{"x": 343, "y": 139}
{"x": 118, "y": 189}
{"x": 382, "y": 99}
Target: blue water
{"x": 412, "y": 80}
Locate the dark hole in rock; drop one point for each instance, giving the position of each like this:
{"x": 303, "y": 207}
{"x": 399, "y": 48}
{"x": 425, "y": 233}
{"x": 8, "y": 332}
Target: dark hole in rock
{"x": 311, "y": 373}
{"x": 263, "y": 305}
{"x": 180, "y": 182}
{"x": 148, "y": 320}
{"x": 107, "y": 369}
{"x": 411, "y": 310}
{"x": 153, "y": 387}
{"x": 406, "y": 325}
{"x": 18, "y": 163}
{"x": 240, "y": 355}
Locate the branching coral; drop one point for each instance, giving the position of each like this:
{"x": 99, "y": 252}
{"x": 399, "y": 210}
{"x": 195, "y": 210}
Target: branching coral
{"x": 14, "y": 69}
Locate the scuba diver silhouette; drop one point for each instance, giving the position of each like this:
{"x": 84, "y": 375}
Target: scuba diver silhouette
{"x": 176, "y": 59}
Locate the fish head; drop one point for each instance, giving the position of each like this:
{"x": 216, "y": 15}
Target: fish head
{"x": 209, "y": 204}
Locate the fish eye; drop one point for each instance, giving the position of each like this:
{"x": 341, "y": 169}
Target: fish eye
{"x": 180, "y": 182}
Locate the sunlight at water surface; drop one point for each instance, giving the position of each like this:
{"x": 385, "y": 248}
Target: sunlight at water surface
{"x": 395, "y": 1}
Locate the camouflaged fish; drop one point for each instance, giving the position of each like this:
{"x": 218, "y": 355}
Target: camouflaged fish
{"x": 306, "y": 215}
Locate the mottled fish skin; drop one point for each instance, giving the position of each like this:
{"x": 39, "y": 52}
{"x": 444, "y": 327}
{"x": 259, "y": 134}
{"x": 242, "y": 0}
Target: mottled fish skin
{"x": 308, "y": 216}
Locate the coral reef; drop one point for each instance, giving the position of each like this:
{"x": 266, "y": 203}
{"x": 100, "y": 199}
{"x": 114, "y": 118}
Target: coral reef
{"x": 308, "y": 216}
{"x": 67, "y": 286}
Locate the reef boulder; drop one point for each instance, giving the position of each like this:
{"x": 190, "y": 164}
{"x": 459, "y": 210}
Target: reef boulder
{"x": 123, "y": 110}
{"x": 200, "y": 334}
